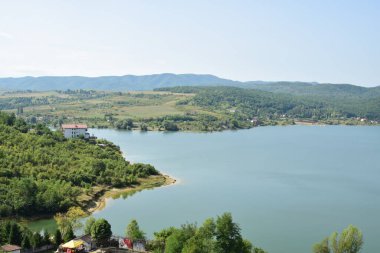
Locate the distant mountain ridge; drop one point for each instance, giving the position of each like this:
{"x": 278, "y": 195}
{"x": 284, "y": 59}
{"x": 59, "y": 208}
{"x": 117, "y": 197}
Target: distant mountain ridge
{"x": 150, "y": 82}
{"x": 114, "y": 83}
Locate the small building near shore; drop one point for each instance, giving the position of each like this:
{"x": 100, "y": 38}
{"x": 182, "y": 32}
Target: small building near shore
{"x": 75, "y": 131}
{"x": 88, "y": 243}
{"x": 9, "y": 248}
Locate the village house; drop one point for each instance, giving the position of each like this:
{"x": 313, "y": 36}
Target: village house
{"x": 75, "y": 131}
{"x": 88, "y": 243}
{"x": 8, "y": 248}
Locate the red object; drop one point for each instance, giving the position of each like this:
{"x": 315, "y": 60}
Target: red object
{"x": 74, "y": 126}
{"x": 129, "y": 243}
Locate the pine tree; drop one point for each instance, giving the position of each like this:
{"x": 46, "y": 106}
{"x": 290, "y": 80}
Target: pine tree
{"x": 57, "y": 238}
{"x": 69, "y": 235}
{"x": 15, "y": 234}
{"x": 25, "y": 244}
{"x": 36, "y": 240}
{"x": 46, "y": 238}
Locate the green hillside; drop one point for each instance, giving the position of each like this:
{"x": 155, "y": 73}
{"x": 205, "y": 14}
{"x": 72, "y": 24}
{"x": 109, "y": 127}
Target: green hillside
{"x": 248, "y": 103}
{"x": 43, "y": 173}
{"x": 316, "y": 89}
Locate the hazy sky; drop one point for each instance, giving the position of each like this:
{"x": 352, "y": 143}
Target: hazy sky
{"x": 310, "y": 40}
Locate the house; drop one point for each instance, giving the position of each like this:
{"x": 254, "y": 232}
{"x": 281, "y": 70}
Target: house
{"x": 255, "y": 121}
{"x": 88, "y": 243}
{"x": 136, "y": 245}
{"x": 8, "y": 248}
{"x": 75, "y": 131}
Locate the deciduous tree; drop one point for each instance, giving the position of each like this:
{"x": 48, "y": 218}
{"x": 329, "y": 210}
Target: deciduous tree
{"x": 133, "y": 231}
{"x": 101, "y": 232}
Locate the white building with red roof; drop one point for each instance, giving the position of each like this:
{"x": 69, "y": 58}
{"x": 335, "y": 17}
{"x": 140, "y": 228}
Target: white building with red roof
{"x": 75, "y": 131}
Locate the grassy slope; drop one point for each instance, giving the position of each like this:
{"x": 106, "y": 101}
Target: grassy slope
{"x": 96, "y": 111}
{"x": 102, "y": 109}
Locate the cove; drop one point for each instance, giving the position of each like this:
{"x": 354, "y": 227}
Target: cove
{"x": 287, "y": 187}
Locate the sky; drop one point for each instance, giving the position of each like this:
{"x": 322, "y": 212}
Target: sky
{"x": 323, "y": 41}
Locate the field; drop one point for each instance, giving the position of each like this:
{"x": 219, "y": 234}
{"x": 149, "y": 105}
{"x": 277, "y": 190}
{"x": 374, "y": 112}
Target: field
{"x": 101, "y": 109}
{"x": 184, "y": 108}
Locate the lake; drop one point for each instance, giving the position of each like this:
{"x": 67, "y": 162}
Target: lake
{"x": 287, "y": 187}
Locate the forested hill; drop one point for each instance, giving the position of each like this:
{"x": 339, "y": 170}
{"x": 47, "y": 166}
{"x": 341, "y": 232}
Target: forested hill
{"x": 150, "y": 82}
{"x": 43, "y": 173}
{"x": 111, "y": 83}
{"x": 248, "y": 103}
{"x": 316, "y": 89}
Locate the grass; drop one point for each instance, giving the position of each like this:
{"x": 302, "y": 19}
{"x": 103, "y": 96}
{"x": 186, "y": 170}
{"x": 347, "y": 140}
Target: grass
{"x": 105, "y": 108}
{"x": 122, "y": 105}
{"x": 101, "y": 109}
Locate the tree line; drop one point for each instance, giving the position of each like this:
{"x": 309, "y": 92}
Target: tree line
{"x": 17, "y": 234}
{"x": 251, "y": 103}
{"x": 220, "y": 235}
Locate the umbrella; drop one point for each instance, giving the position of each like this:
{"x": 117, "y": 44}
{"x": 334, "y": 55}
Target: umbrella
{"x": 73, "y": 244}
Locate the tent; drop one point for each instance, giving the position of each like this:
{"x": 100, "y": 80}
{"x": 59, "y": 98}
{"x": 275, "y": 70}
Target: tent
{"x": 73, "y": 244}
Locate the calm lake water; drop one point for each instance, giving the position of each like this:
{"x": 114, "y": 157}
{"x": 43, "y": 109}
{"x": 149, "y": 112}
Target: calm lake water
{"x": 287, "y": 187}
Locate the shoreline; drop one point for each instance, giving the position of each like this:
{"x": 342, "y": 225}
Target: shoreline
{"x": 97, "y": 203}
{"x": 296, "y": 123}
{"x": 151, "y": 182}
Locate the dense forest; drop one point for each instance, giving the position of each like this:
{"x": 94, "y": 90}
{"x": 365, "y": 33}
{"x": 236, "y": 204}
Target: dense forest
{"x": 42, "y": 173}
{"x": 317, "y": 89}
{"x": 248, "y": 103}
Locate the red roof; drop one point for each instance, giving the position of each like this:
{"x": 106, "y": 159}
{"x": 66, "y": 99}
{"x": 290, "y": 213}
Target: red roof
{"x": 9, "y": 247}
{"x": 74, "y": 126}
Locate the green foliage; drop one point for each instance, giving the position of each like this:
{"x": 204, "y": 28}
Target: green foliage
{"x": 228, "y": 237}
{"x": 88, "y": 225}
{"x": 68, "y": 235}
{"x": 211, "y": 108}
{"x": 143, "y": 127}
{"x": 4, "y": 232}
{"x": 176, "y": 241}
{"x": 124, "y": 124}
{"x": 37, "y": 240}
{"x": 57, "y": 238}
{"x": 15, "y": 236}
{"x": 134, "y": 232}
{"x": 322, "y": 247}
{"x": 258, "y": 250}
{"x": 26, "y": 244}
{"x": 349, "y": 241}
{"x": 158, "y": 244}
{"x": 42, "y": 172}
{"x": 203, "y": 240}
{"x": 331, "y": 103}
{"x": 70, "y": 219}
{"x": 46, "y": 238}
{"x": 220, "y": 236}
{"x": 169, "y": 126}
{"x": 101, "y": 232}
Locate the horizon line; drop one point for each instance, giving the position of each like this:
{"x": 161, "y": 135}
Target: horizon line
{"x": 196, "y": 74}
